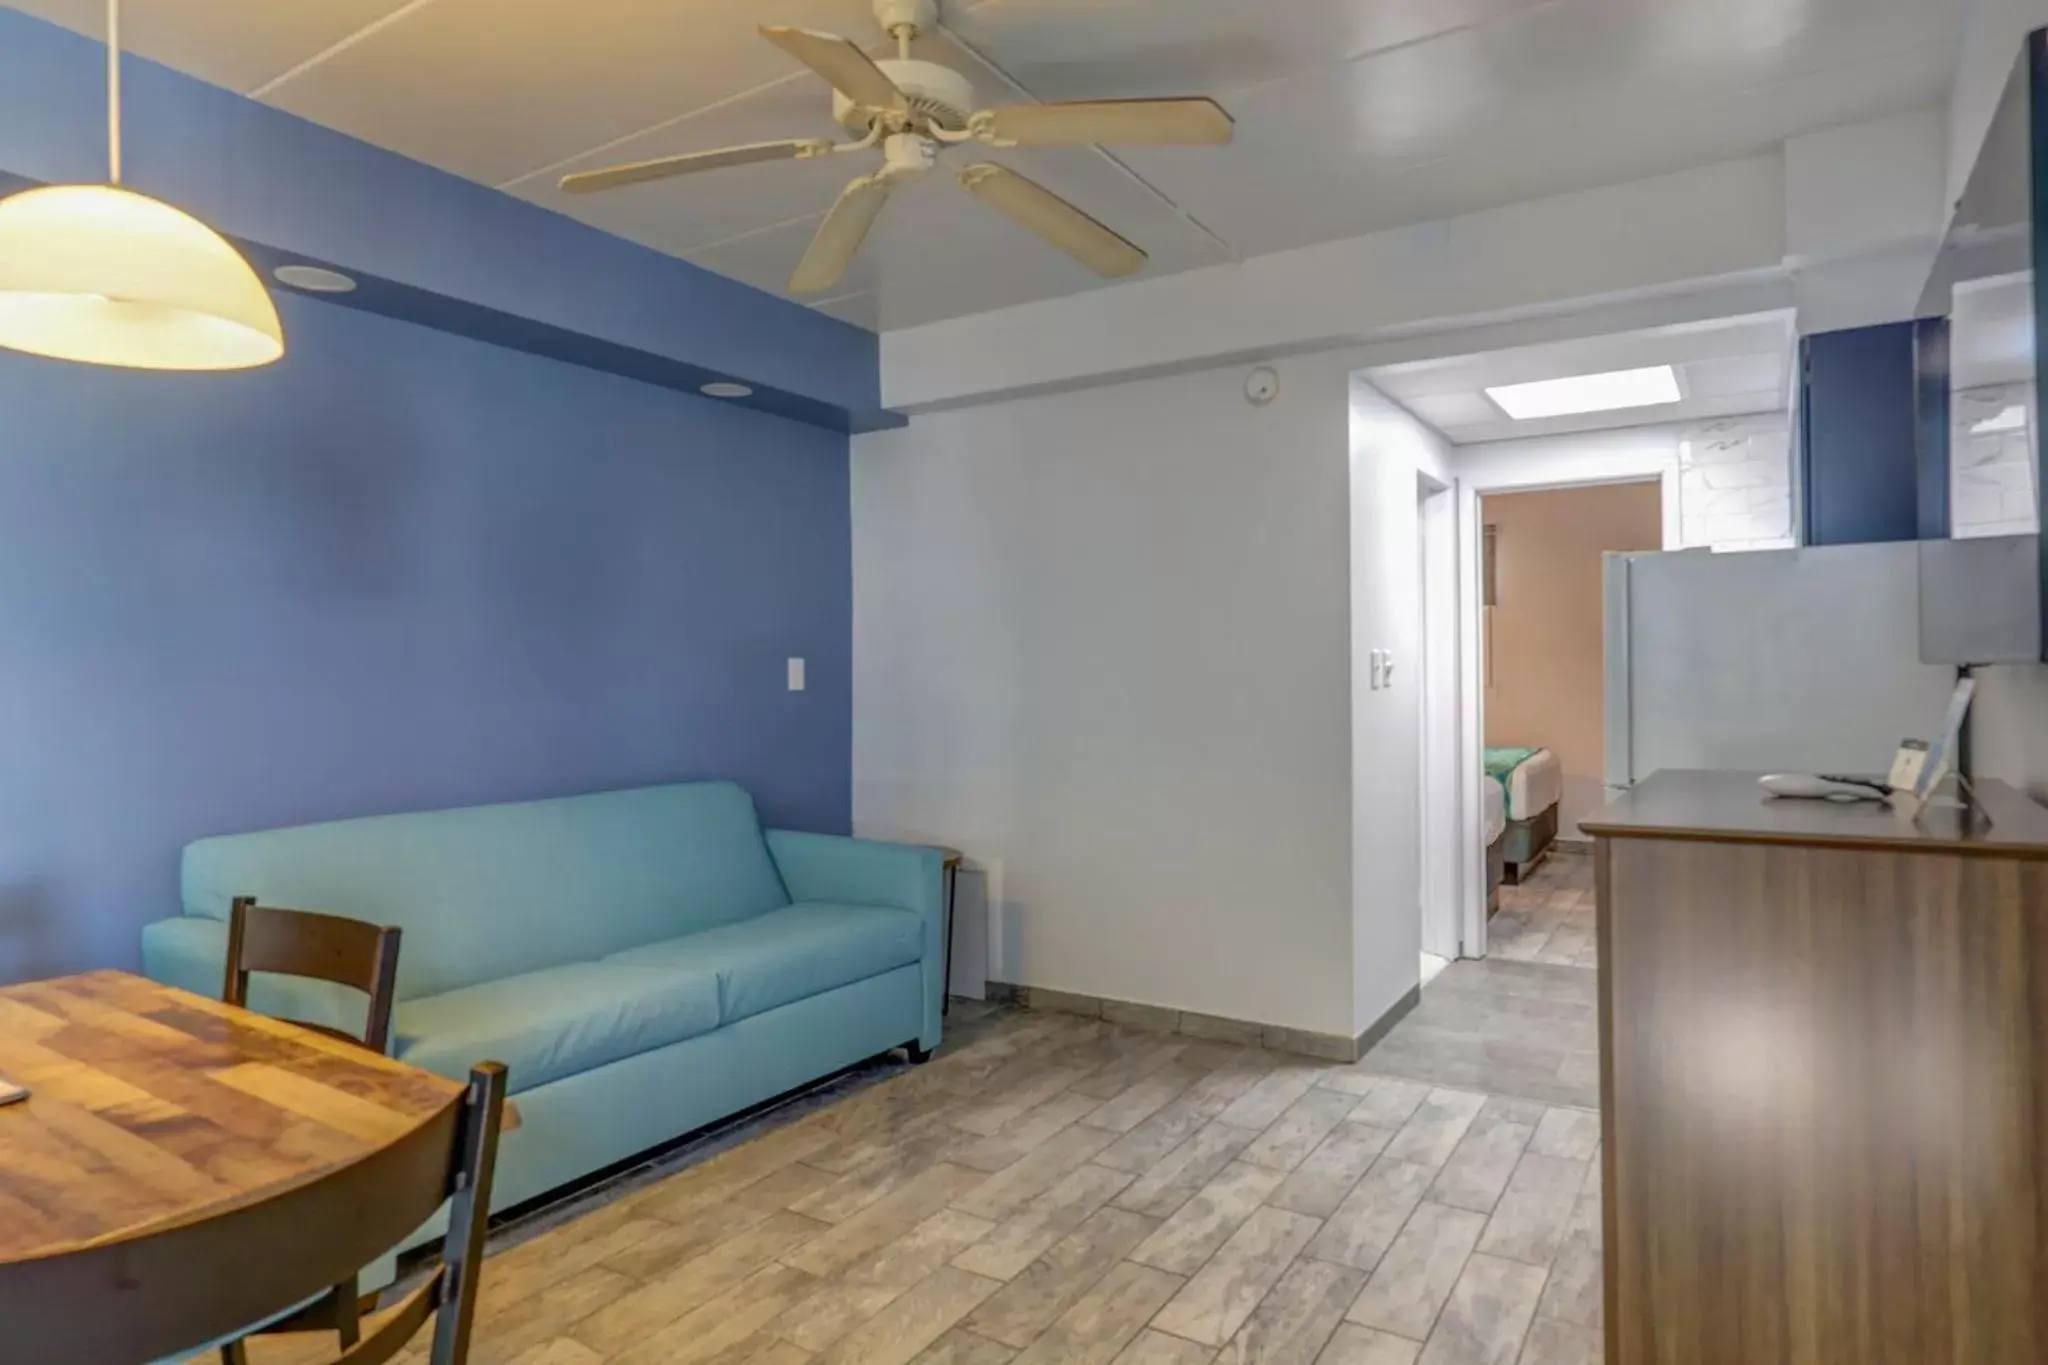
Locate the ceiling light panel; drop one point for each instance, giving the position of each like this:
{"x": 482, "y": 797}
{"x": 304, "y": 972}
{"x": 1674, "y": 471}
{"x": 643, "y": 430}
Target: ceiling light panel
{"x": 1610, "y": 392}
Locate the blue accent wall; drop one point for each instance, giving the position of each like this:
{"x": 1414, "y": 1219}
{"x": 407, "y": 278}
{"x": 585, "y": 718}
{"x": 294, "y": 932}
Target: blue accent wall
{"x": 398, "y": 570}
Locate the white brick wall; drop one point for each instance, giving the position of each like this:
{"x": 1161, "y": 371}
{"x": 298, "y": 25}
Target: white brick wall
{"x": 1991, "y": 473}
{"x": 1736, "y": 484}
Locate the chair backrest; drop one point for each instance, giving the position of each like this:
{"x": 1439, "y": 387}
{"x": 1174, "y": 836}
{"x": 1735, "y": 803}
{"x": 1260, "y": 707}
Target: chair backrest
{"x": 346, "y": 952}
{"x": 168, "y": 1292}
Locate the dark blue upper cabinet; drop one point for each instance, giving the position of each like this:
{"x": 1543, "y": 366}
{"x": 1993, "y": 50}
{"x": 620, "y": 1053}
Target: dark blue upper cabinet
{"x": 1865, "y": 422}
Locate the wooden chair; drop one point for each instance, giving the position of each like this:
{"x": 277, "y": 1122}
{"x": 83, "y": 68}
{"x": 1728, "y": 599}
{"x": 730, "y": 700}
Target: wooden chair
{"x": 346, "y": 952}
{"x": 149, "y": 1297}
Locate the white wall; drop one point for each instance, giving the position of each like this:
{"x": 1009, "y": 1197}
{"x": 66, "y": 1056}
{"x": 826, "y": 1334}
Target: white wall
{"x": 1991, "y": 474}
{"x": 1388, "y": 447}
{"x": 1102, "y": 640}
{"x": 1727, "y": 483}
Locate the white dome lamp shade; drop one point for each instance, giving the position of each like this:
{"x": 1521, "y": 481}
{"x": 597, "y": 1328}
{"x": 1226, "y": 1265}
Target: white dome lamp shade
{"x": 106, "y": 276}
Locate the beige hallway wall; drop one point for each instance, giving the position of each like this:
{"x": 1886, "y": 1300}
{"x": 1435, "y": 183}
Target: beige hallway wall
{"x": 1545, "y": 681}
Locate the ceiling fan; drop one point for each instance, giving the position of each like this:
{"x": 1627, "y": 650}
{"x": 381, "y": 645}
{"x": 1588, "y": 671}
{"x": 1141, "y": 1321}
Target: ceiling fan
{"x": 912, "y": 110}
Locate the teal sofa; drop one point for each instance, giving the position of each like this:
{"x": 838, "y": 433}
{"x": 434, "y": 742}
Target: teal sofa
{"x": 645, "y": 962}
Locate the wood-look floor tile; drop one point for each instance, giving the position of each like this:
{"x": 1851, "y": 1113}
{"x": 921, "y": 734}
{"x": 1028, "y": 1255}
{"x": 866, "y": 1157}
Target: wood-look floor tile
{"x": 1529, "y": 1222}
{"x": 888, "y": 1218}
{"x": 1194, "y": 1232}
{"x": 1373, "y": 1214}
{"x": 1571, "y": 1134}
{"x": 1157, "y": 1348}
{"x": 660, "y": 1301}
{"x": 1575, "y": 1291}
{"x": 1138, "y": 1058}
{"x": 1266, "y": 1101}
{"x": 1318, "y": 1186}
{"x": 732, "y": 1170}
{"x": 1146, "y": 1145}
{"x": 1297, "y": 1316}
{"x": 1226, "y": 1290}
{"x": 902, "y": 1331}
{"x": 1479, "y": 1170}
{"x": 675, "y": 1243}
{"x": 869, "y": 1286}
{"x": 1487, "y": 1315}
{"x": 1355, "y": 1345}
{"x": 1141, "y": 1099}
{"x": 1181, "y": 1173}
{"x": 722, "y": 1322}
{"x": 1026, "y": 1135}
{"x": 559, "y": 1351}
{"x": 1032, "y": 1301}
{"x": 520, "y": 1272}
{"x": 1415, "y": 1277}
{"x": 510, "y": 1328}
{"x": 1299, "y": 1130}
{"x": 1561, "y": 1343}
{"x": 1434, "y": 1131}
{"x": 987, "y": 1120}
{"x": 1003, "y": 1194}
{"x": 1017, "y": 1242}
{"x": 782, "y": 1189}
{"x": 1095, "y": 1329}
{"x": 760, "y": 1349}
{"x": 1390, "y": 1103}
{"x": 962, "y": 1347}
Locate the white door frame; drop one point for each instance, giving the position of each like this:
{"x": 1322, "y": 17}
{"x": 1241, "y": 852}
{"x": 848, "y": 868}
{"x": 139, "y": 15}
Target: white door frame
{"x": 1444, "y": 867}
{"x": 1472, "y": 653}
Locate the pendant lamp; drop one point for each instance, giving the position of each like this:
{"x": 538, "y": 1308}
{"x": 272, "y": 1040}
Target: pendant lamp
{"x": 106, "y": 276}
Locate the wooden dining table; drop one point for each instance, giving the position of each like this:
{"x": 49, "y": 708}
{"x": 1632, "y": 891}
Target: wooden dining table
{"x": 150, "y": 1107}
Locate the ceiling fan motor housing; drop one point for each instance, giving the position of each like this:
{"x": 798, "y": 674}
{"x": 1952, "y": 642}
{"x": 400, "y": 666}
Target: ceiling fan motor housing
{"x": 938, "y": 95}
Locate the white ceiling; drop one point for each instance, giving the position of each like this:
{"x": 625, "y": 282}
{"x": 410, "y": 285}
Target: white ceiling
{"x": 1728, "y": 368}
{"x": 1353, "y": 115}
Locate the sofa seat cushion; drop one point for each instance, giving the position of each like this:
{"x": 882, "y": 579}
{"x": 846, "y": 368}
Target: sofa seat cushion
{"x": 789, "y": 954}
{"x": 554, "y": 1023}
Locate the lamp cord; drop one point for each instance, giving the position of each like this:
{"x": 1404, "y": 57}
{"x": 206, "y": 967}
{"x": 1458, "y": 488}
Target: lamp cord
{"x": 114, "y": 92}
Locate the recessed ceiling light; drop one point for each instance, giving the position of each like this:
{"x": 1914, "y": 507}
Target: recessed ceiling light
{"x": 1645, "y": 388}
{"x": 315, "y": 278}
{"x": 2013, "y": 418}
{"x": 725, "y": 388}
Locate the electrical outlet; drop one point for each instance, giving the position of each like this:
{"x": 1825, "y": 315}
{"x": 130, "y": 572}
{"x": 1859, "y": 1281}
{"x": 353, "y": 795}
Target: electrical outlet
{"x": 796, "y": 675}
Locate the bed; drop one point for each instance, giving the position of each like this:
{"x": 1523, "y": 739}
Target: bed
{"x": 1531, "y": 783}
{"x": 1493, "y": 806}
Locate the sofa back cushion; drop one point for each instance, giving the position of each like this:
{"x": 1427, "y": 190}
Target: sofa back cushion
{"x": 488, "y": 892}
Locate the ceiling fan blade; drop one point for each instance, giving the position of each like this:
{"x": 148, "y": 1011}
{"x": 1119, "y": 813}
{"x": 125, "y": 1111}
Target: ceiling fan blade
{"x": 841, "y": 62}
{"x": 839, "y": 237}
{"x": 1195, "y": 122}
{"x": 1033, "y": 206}
{"x": 661, "y": 168}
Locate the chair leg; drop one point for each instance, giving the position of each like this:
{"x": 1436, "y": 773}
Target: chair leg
{"x": 348, "y": 1313}
{"x": 918, "y": 1055}
{"x": 234, "y": 1353}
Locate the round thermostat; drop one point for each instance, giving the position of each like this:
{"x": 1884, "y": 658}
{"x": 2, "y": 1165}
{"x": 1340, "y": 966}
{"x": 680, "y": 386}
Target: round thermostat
{"x": 1262, "y": 386}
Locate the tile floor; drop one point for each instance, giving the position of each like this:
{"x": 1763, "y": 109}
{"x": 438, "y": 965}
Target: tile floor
{"x": 1060, "y": 1191}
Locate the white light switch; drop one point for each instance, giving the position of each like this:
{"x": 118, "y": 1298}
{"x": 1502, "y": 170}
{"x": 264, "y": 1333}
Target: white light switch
{"x": 796, "y": 675}
{"x": 1386, "y": 668}
{"x": 1376, "y": 670}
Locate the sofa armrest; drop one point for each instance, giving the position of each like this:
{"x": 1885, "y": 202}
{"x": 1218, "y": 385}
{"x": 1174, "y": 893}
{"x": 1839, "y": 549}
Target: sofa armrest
{"x": 830, "y": 867}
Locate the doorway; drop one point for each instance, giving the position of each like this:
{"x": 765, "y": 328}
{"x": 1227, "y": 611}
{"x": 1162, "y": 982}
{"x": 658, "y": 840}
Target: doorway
{"x": 1542, "y": 695}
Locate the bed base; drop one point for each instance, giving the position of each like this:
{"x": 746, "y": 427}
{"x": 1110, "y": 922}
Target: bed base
{"x": 1496, "y": 869}
{"x": 1527, "y": 843}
